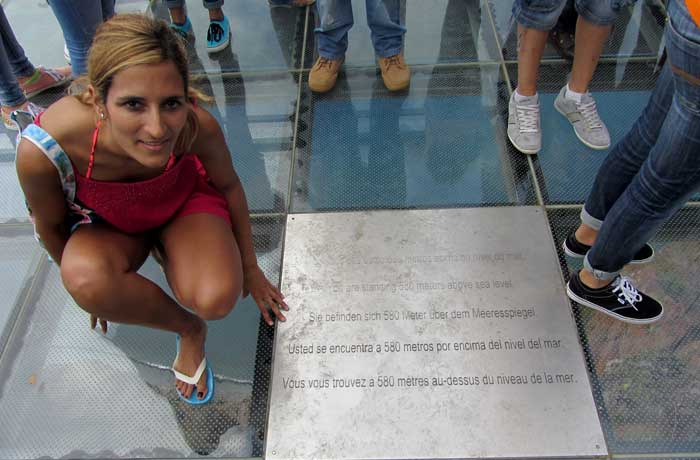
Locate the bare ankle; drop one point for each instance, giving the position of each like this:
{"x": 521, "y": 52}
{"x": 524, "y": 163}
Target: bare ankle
{"x": 194, "y": 328}
{"x": 586, "y": 235}
{"x": 216, "y": 14}
{"x": 178, "y": 16}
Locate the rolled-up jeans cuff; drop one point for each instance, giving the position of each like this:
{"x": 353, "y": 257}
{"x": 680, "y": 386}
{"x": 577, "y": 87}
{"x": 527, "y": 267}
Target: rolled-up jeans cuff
{"x": 529, "y": 20}
{"x": 589, "y": 220}
{"x": 599, "y": 274}
{"x": 211, "y": 5}
{"x": 389, "y": 52}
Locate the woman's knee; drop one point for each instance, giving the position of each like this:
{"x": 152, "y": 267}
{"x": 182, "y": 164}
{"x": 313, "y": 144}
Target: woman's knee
{"x": 88, "y": 281}
{"x": 214, "y": 300}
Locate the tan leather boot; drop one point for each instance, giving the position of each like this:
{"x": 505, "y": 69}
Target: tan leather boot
{"x": 395, "y": 73}
{"x": 323, "y": 74}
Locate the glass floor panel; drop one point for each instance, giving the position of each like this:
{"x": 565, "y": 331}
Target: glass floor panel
{"x": 439, "y": 144}
{"x": 256, "y": 113}
{"x": 18, "y": 263}
{"x": 646, "y": 379}
{"x": 66, "y": 391}
{"x": 82, "y": 394}
{"x": 621, "y": 91}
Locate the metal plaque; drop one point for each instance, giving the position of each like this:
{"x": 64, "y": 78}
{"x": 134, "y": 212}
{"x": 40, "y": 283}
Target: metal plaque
{"x": 427, "y": 334}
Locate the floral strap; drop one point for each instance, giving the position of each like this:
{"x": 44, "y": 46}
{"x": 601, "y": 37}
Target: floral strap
{"x": 47, "y": 144}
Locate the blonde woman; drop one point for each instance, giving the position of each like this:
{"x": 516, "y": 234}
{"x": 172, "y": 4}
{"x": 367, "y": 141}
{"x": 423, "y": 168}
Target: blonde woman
{"x": 128, "y": 162}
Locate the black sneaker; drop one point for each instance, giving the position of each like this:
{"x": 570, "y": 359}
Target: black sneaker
{"x": 619, "y": 299}
{"x": 574, "y": 248}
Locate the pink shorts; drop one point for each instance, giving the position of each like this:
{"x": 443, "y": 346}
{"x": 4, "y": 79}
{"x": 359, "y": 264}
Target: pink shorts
{"x": 205, "y": 199}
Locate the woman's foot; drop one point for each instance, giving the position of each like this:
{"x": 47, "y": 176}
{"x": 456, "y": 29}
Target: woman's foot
{"x": 579, "y": 243}
{"x": 43, "y": 79}
{"x": 190, "y": 357}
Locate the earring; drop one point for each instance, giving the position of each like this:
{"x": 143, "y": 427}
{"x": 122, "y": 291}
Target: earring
{"x": 102, "y": 115}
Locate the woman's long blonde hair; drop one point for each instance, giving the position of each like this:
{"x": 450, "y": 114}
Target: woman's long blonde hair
{"x": 128, "y": 40}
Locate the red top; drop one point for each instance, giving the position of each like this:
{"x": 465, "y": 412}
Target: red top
{"x": 136, "y": 207}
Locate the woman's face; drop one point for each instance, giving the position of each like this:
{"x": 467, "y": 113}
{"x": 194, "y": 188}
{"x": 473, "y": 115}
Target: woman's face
{"x": 146, "y": 109}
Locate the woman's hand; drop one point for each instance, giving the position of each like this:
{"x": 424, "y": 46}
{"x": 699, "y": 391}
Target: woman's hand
{"x": 266, "y": 296}
{"x": 103, "y": 323}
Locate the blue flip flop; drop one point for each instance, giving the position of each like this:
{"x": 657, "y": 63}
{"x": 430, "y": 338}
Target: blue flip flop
{"x": 194, "y": 379}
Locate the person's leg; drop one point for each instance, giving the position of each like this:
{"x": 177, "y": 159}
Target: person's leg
{"x": 672, "y": 171}
{"x": 386, "y": 21}
{"x": 592, "y": 30}
{"x": 99, "y": 270}
{"x": 387, "y": 26}
{"x": 625, "y": 159}
{"x": 78, "y": 20}
{"x": 107, "y": 9}
{"x": 531, "y": 44}
{"x": 219, "y": 31}
{"x": 214, "y": 9}
{"x": 535, "y": 18}
{"x": 13, "y": 63}
{"x": 667, "y": 178}
{"x": 334, "y": 20}
{"x": 590, "y": 39}
{"x": 19, "y": 80}
{"x": 204, "y": 271}
{"x": 178, "y": 13}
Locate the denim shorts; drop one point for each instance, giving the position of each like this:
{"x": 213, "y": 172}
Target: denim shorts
{"x": 543, "y": 14}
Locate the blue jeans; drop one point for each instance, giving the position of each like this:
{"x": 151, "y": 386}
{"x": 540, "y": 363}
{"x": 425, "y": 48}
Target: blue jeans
{"x": 543, "y": 14}
{"x": 655, "y": 168}
{"x": 13, "y": 64}
{"x": 208, "y": 4}
{"x": 383, "y": 18}
{"x": 79, "y": 20}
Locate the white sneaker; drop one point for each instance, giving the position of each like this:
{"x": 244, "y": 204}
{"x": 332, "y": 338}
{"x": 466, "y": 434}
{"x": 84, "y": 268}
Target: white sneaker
{"x": 524, "y": 130}
{"x": 588, "y": 126}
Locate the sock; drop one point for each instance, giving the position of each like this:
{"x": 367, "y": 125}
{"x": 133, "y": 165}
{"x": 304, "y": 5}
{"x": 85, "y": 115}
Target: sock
{"x": 520, "y": 98}
{"x": 573, "y": 95}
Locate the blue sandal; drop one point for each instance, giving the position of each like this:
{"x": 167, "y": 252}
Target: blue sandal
{"x": 194, "y": 379}
{"x": 218, "y": 35}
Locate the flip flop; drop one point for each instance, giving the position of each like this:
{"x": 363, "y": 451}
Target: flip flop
{"x": 194, "y": 379}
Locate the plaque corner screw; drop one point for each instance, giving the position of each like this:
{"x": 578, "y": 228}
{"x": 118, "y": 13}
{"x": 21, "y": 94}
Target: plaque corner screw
{"x": 274, "y": 452}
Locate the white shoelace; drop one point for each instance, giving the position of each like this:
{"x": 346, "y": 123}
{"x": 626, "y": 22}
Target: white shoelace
{"x": 528, "y": 118}
{"x": 590, "y": 114}
{"x": 626, "y": 292}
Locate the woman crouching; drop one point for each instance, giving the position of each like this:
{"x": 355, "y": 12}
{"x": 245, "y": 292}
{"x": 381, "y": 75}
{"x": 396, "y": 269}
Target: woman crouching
{"x": 128, "y": 163}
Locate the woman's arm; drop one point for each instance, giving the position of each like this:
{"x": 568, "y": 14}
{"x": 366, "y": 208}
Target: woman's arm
{"x": 210, "y": 147}
{"x": 42, "y": 189}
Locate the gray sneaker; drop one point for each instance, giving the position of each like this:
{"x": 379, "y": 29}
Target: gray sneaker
{"x": 588, "y": 126}
{"x": 524, "y": 129}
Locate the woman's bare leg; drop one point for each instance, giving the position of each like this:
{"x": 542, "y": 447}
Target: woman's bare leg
{"x": 99, "y": 267}
{"x": 590, "y": 39}
{"x": 203, "y": 267}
